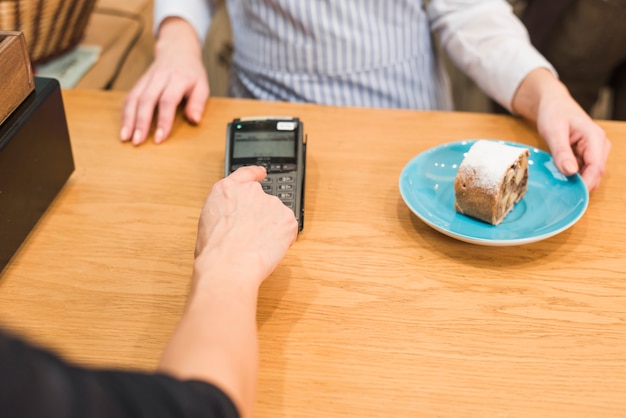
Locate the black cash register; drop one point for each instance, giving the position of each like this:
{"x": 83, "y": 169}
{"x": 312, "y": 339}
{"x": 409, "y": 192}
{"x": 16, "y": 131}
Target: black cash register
{"x": 35, "y": 162}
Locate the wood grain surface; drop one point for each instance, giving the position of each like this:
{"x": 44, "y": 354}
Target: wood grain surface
{"x": 372, "y": 313}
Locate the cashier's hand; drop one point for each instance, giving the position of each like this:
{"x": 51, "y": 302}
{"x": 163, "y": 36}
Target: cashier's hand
{"x": 244, "y": 229}
{"x": 576, "y": 142}
{"x": 177, "y": 73}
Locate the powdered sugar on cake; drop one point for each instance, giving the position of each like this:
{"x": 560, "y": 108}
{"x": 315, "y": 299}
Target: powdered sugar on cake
{"x": 486, "y": 161}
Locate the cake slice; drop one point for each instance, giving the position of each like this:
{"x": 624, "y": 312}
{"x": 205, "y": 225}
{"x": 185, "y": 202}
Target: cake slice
{"x": 491, "y": 179}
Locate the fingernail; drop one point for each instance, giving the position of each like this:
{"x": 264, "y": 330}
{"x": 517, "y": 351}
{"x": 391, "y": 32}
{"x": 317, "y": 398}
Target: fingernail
{"x": 137, "y": 137}
{"x": 158, "y": 136}
{"x": 195, "y": 117}
{"x": 124, "y": 134}
{"x": 570, "y": 167}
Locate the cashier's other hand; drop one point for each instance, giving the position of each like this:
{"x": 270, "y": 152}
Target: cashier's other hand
{"x": 244, "y": 229}
{"x": 576, "y": 142}
{"x": 177, "y": 73}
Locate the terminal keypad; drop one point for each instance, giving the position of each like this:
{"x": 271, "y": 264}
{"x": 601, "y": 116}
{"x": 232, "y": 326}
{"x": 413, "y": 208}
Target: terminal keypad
{"x": 280, "y": 182}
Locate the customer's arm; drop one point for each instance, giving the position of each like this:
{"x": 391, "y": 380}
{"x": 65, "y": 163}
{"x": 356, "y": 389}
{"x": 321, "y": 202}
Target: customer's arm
{"x": 37, "y": 383}
{"x": 243, "y": 234}
{"x": 209, "y": 368}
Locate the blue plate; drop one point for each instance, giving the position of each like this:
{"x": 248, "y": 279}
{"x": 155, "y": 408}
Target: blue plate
{"x": 552, "y": 203}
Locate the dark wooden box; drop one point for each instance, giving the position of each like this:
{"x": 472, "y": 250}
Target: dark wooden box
{"x": 16, "y": 75}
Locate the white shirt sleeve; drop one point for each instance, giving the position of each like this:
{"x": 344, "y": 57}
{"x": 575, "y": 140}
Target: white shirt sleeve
{"x": 488, "y": 42}
{"x": 197, "y": 12}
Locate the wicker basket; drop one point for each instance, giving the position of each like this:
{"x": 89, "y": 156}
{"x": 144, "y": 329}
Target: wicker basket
{"x": 51, "y": 27}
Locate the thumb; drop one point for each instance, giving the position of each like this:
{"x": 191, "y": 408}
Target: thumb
{"x": 252, "y": 173}
{"x": 196, "y": 102}
{"x": 561, "y": 150}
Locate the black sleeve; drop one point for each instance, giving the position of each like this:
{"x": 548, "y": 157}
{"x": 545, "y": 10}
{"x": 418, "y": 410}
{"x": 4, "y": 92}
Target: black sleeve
{"x": 36, "y": 383}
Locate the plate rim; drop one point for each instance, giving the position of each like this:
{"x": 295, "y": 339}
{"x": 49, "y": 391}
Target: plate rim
{"x": 479, "y": 240}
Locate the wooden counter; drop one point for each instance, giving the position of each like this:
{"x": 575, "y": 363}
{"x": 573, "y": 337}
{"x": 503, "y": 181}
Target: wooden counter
{"x": 372, "y": 313}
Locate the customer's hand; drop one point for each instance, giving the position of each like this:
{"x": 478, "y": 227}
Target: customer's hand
{"x": 243, "y": 234}
{"x": 244, "y": 229}
{"x": 177, "y": 73}
{"x": 576, "y": 142}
